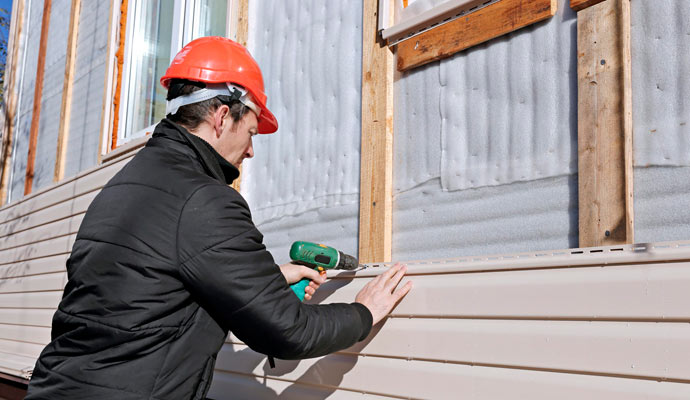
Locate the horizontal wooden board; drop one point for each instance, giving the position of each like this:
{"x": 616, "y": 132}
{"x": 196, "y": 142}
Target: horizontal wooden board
{"x": 249, "y": 387}
{"x": 51, "y": 247}
{"x": 578, "y": 5}
{"x": 35, "y": 236}
{"x": 655, "y": 292}
{"x": 485, "y": 24}
{"x": 33, "y": 267}
{"x": 54, "y": 281}
{"x": 56, "y": 212}
{"x": 423, "y": 379}
{"x": 21, "y": 348}
{"x": 48, "y": 300}
{"x": 22, "y": 333}
{"x": 28, "y": 317}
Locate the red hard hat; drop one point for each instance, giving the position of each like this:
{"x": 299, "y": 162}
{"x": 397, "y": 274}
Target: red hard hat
{"x": 215, "y": 59}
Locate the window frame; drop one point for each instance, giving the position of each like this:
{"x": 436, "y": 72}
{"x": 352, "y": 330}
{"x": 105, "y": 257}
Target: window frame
{"x": 186, "y": 17}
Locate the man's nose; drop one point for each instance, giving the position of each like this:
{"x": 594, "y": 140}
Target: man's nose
{"x": 250, "y": 152}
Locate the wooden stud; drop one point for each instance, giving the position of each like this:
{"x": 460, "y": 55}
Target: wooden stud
{"x": 578, "y": 5}
{"x": 240, "y": 35}
{"x": 66, "y": 108}
{"x": 120, "y": 56}
{"x": 12, "y": 96}
{"x": 376, "y": 172}
{"x": 487, "y": 23}
{"x": 605, "y": 171}
{"x": 38, "y": 94}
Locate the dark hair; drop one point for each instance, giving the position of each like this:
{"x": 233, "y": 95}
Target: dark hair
{"x": 192, "y": 115}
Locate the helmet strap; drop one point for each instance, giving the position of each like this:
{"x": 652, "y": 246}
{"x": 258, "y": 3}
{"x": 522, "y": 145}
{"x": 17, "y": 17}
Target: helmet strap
{"x": 209, "y": 92}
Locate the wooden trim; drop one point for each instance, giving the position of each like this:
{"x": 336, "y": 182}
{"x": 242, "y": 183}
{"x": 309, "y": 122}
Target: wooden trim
{"x": 241, "y": 34}
{"x": 108, "y": 85}
{"x": 38, "y": 94}
{"x": 120, "y": 55}
{"x": 487, "y": 23}
{"x": 578, "y": 5}
{"x": 12, "y": 94}
{"x": 376, "y": 179}
{"x": 66, "y": 108}
{"x": 605, "y": 171}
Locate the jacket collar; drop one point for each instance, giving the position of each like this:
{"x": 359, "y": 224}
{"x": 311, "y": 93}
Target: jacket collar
{"x": 214, "y": 164}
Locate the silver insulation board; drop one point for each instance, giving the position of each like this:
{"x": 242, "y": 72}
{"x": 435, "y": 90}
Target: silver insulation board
{"x": 303, "y": 182}
{"x": 661, "y": 118}
{"x": 486, "y": 147}
{"x": 27, "y": 65}
{"x": 661, "y": 82}
{"x": 485, "y": 141}
{"x": 51, "y": 97}
{"x": 87, "y": 92}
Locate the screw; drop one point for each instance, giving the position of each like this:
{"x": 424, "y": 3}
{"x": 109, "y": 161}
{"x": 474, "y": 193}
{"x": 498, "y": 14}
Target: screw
{"x": 603, "y": 62}
{"x": 607, "y": 233}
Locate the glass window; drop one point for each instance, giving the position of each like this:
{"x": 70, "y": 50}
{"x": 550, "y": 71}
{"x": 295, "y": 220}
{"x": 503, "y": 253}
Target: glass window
{"x": 157, "y": 30}
{"x": 210, "y": 18}
{"x": 149, "y": 56}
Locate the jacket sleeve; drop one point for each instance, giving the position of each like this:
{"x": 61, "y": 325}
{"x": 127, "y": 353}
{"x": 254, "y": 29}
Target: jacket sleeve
{"x": 228, "y": 270}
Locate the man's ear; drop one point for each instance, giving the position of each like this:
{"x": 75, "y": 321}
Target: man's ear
{"x": 220, "y": 119}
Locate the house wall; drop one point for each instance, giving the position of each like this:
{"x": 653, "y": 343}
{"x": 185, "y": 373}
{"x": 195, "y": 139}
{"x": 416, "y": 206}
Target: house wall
{"x": 661, "y": 118}
{"x": 552, "y": 325}
{"x": 26, "y": 78}
{"x": 37, "y": 234}
{"x": 303, "y": 182}
{"x": 485, "y": 163}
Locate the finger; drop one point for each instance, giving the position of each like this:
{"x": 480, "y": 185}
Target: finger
{"x": 402, "y": 291}
{"x": 307, "y": 296}
{"x": 309, "y": 290}
{"x": 390, "y": 272}
{"x": 315, "y": 285}
{"x": 393, "y": 282}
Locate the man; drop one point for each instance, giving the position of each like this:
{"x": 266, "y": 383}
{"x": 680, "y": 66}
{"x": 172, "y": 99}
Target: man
{"x": 167, "y": 259}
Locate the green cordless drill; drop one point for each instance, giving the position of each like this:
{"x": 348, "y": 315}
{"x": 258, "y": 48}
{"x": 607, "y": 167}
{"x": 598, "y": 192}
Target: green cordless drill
{"x": 319, "y": 257}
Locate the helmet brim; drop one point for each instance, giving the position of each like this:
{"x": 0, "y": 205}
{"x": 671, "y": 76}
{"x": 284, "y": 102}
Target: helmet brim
{"x": 267, "y": 122}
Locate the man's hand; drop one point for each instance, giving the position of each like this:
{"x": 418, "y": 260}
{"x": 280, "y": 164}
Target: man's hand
{"x": 379, "y": 296}
{"x": 294, "y": 273}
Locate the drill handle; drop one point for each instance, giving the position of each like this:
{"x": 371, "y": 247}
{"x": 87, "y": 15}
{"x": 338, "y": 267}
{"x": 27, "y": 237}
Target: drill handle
{"x": 299, "y": 287}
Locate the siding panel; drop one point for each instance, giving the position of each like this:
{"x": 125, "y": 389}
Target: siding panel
{"x": 422, "y": 379}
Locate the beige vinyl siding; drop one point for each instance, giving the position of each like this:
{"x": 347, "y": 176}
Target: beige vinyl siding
{"x": 36, "y": 237}
{"x": 538, "y": 327}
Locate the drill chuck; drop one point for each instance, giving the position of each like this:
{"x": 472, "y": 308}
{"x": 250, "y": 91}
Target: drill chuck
{"x": 347, "y": 262}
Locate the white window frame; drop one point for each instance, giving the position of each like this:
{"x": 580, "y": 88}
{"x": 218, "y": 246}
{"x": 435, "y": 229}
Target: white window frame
{"x": 184, "y": 11}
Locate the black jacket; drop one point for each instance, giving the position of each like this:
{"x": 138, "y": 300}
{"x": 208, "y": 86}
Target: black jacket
{"x": 166, "y": 261}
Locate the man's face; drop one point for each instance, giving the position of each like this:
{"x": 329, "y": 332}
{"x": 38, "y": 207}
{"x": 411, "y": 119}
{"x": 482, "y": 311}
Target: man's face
{"x": 236, "y": 139}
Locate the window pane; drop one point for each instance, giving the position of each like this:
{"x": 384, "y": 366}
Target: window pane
{"x": 210, "y": 18}
{"x": 149, "y": 58}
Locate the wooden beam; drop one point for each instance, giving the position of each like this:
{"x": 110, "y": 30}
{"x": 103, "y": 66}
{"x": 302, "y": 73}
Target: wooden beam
{"x": 66, "y": 108}
{"x": 240, "y": 35}
{"x": 11, "y": 93}
{"x": 38, "y": 94}
{"x": 120, "y": 56}
{"x": 487, "y": 23}
{"x": 605, "y": 172}
{"x": 578, "y": 5}
{"x": 376, "y": 171}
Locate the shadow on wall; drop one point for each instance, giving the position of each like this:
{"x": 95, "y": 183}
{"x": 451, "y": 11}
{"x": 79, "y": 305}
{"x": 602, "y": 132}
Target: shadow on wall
{"x": 318, "y": 382}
